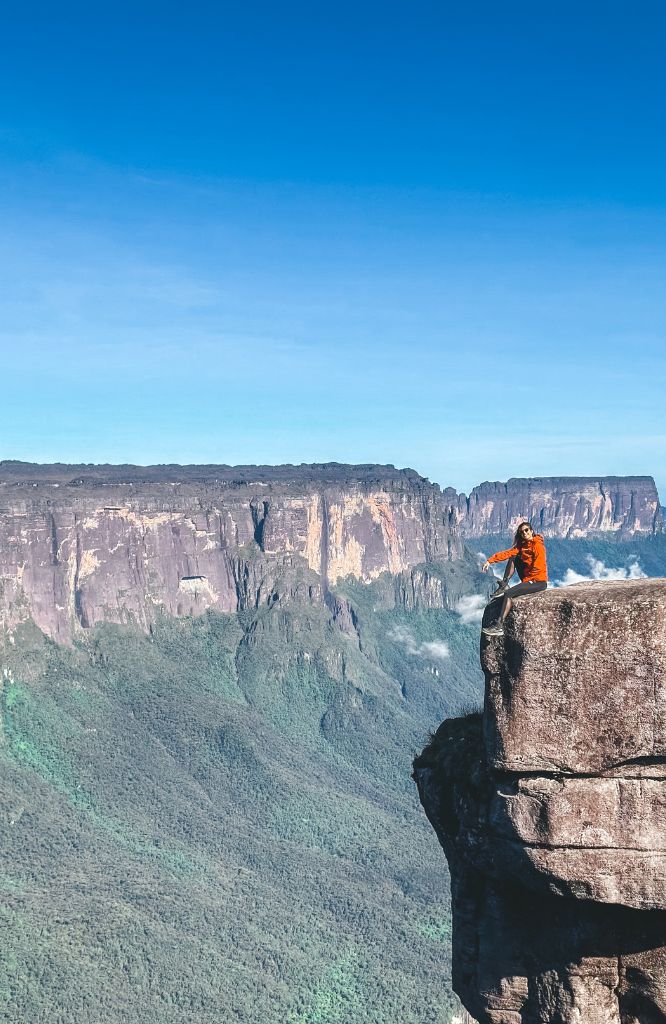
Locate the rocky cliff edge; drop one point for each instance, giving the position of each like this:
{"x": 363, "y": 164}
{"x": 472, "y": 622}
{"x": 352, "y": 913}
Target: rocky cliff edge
{"x": 551, "y": 808}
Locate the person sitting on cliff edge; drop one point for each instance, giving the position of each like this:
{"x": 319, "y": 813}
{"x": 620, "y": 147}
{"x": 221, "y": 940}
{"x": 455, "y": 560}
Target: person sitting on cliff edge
{"x": 527, "y": 557}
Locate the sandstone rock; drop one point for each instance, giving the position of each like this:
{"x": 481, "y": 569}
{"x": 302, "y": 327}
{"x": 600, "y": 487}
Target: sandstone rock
{"x": 83, "y": 544}
{"x": 578, "y": 684}
{"x": 555, "y": 828}
{"x": 583, "y": 813}
{"x": 550, "y": 961}
{"x": 564, "y": 506}
{"x": 602, "y": 839}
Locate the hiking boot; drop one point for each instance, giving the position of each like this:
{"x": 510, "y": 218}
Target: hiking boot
{"x": 500, "y": 590}
{"x": 496, "y": 630}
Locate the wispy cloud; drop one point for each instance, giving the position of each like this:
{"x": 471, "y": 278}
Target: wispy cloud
{"x": 470, "y": 608}
{"x": 433, "y": 650}
{"x": 600, "y": 571}
{"x": 436, "y": 649}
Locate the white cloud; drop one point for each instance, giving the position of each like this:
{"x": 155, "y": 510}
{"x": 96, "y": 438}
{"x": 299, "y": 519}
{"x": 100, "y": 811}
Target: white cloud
{"x": 434, "y": 650}
{"x": 470, "y": 608}
{"x": 600, "y": 571}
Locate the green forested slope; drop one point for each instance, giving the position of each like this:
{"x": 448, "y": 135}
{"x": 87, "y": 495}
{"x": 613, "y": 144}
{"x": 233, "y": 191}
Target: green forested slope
{"x": 217, "y": 823}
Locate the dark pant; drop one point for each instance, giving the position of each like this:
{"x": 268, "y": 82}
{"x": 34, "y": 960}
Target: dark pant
{"x": 522, "y": 589}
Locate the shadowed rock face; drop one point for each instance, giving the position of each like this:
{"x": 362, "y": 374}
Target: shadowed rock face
{"x": 551, "y": 808}
{"x": 564, "y": 507}
{"x": 83, "y": 544}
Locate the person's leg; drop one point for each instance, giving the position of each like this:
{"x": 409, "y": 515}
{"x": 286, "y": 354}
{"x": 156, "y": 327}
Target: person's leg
{"x": 520, "y": 590}
{"x": 503, "y": 584}
{"x": 508, "y": 572}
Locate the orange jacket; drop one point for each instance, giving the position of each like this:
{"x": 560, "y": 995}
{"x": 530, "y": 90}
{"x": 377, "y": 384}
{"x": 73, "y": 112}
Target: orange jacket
{"x": 530, "y": 559}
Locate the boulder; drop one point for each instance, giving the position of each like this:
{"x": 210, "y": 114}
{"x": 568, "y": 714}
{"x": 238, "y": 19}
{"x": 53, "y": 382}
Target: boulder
{"x": 578, "y": 683}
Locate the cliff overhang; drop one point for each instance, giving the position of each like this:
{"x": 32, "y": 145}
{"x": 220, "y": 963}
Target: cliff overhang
{"x": 551, "y": 808}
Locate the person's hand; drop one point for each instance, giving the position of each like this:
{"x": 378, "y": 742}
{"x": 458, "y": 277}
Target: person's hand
{"x": 486, "y": 566}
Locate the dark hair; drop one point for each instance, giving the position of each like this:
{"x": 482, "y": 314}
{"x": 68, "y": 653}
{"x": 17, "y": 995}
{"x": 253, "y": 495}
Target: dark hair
{"x": 518, "y": 540}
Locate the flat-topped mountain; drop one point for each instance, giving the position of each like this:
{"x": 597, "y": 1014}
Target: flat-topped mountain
{"x": 228, "y": 793}
{"x": 84, "y": 544}
{"x": 106, "y": 475}
{"x": 81, "y": 544}
{"x": 564, "y": 506}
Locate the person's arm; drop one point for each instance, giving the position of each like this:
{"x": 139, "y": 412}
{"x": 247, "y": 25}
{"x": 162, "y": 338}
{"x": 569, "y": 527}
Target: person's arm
{"x": 540, "y": 557}
{"x": 499, "y": 556}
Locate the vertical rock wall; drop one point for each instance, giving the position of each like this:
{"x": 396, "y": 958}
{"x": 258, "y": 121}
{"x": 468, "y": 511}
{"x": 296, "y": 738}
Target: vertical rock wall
{"x": 75, "y": 551}
{"x": 564, "y": 507}
{"x": 551, "y": 808}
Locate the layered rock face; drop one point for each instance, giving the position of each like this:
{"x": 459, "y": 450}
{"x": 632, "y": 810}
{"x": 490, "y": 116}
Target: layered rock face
{"x": 564, "y": 507}
{"x": 82, "y": 544}
{"x": 551, "y": 808}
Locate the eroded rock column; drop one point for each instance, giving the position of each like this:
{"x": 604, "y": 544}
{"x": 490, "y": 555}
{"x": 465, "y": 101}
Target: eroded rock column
{"x": 551, "y": 808}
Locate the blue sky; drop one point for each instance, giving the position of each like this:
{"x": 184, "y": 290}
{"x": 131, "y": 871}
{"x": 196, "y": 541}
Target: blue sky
{"x": 365, "y": 233}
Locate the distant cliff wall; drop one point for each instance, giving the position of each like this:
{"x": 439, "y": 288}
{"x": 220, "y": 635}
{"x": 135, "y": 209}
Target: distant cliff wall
{"x": 83, "y": 544}
{"x": 80, "y": 545}
{"x": 564, "y": 506}
{"x": 551, "y": 809}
